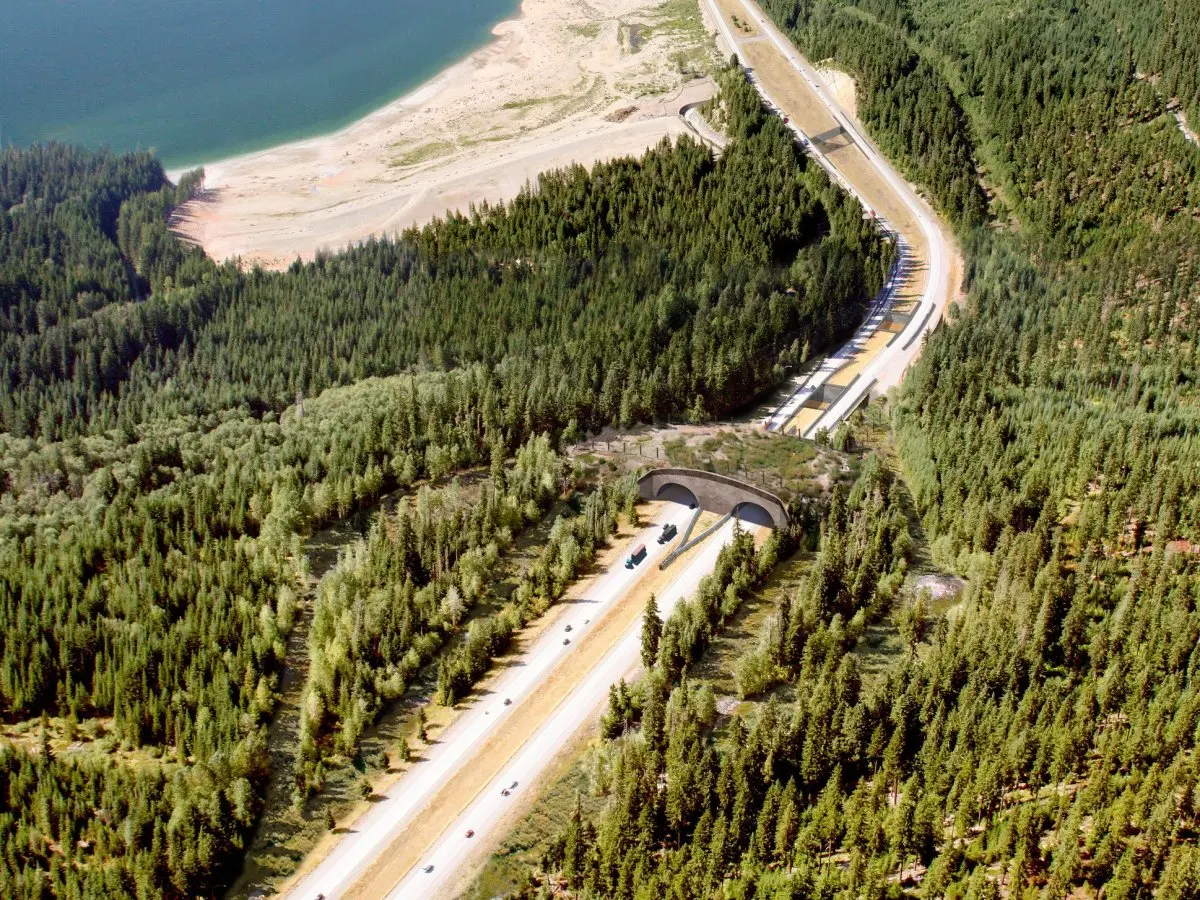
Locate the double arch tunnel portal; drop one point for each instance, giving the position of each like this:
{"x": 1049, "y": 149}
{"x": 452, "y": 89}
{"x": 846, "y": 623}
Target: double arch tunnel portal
{"x": 714, "y": 493}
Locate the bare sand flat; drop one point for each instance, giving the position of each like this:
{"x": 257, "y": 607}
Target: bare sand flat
{"x": 565, "y": 82}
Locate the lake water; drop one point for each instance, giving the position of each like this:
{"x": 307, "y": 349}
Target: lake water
{"x": 200, "y": 80}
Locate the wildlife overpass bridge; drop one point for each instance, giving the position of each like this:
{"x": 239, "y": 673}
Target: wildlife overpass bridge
{"x": 714, "y": 493}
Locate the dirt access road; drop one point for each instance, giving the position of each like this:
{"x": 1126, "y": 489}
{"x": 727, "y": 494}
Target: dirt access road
{"x": 929, "y": 269}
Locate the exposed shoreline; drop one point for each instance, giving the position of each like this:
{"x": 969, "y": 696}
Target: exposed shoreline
{"x": 412, "y": 97}
{"x": 560, "y": 83}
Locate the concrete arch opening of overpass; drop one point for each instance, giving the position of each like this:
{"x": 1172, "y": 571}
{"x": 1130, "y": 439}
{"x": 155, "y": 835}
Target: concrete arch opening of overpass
{"x": 715, "y": 493}
{"x": 753, "y": 514}
{"x": 677, "y": 493}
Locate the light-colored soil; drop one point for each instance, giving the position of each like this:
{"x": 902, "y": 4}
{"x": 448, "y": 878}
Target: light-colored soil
{"x": 492, "y": 755}
{"x": 788, "y": 467}
{"x": 1182, "y": 122}
{"x": 565, "y": 82}
{"x": 541, "y": 814}
{"x": 563, "y": 761}
{"x": 803, "y": 419}
{"x": 941, "y": 587}
{"x": 798, "y": 101}
{"x": 845, "y": 375}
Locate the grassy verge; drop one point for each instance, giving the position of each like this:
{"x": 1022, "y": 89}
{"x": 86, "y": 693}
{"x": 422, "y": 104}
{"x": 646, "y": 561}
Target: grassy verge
{"x": 423, "y": 153}
{"x": 590, "y": 30}
{"x": 531, "y": 102}
{"x": 879, "y": 651}
{"x": 681, "y": 21}
{"x": 285, "y": 835}
{"x": 522, "y": 849}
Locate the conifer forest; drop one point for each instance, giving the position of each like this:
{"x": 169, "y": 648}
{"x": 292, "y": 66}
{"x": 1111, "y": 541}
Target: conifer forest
{"x": 173, "y": 430}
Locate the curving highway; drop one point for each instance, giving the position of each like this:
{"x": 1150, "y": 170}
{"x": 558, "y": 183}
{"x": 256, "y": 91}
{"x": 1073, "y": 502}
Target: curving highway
{"x": 828, "y": 367}
{"x": 343, "y": 869}
{"x": 927, "y": 243}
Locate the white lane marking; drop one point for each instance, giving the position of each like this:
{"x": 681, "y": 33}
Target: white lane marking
{"x": 585, "y": 701}
{"x": 924, "y": 316}
{"x": 376, "y": 829}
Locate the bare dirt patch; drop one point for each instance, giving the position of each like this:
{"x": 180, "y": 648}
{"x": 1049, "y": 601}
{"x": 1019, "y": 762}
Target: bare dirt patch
{"x": 845, "y": 91}
{"x": 788, "y": 466}
{"x": 945, "y": 588}
{"x": 803, "y": 105}
{"x": 539, "y": 97}
{"x": 620, "y": 115}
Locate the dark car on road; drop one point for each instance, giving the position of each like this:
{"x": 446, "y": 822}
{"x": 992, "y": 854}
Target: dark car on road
{"x": 636, "y": 555}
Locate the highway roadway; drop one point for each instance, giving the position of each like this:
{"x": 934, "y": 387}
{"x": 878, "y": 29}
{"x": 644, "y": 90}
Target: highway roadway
{"x": 379, "y": 827}
{"x": 889, "y": 363}
{"x": 386, "y": 820}
{"x": 844, "y": 355}
{"x": 434, "y": 875}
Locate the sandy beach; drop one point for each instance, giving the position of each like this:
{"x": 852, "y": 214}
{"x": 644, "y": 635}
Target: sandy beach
{"x": 565, "y": 82}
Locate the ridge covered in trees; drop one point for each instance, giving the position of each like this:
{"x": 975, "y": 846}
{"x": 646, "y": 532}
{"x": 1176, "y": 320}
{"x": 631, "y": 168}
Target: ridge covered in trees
{"x": 171, "y": 429}
{"x": 673, "y": 282}
{"x": 1038, "y": 737}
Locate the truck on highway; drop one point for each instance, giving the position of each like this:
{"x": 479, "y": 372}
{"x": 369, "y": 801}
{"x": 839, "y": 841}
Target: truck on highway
{"x": 636, "y": 555}
{"x": 669, "y": 531}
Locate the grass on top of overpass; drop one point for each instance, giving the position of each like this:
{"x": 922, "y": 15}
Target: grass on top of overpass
{"x": 785, "y": 465}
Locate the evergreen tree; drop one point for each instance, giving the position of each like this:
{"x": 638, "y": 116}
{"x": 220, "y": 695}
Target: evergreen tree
{"x": 651, "y": 632}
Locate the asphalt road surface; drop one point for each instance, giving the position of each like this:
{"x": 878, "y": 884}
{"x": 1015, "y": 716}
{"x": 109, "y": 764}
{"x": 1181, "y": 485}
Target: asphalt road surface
{"x": 835, "y": 362}
{"x": 379, "y": 827}
{"x": 376, "y": 829}
{"x": 434, "y": 874}
{"x": 892, "y": 359}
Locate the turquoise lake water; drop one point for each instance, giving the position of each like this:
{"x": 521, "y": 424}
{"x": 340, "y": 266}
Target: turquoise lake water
{"x": 200, "y": 80}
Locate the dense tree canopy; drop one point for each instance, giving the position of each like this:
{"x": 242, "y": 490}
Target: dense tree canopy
{"x": 1038, "y": 738}
{"x": 171, "y": 429}
{"x": 673, "y": 282}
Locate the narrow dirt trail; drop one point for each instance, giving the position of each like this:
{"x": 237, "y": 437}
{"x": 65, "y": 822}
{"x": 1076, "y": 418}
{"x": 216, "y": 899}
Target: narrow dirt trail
{"x": 272, "y": 852}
